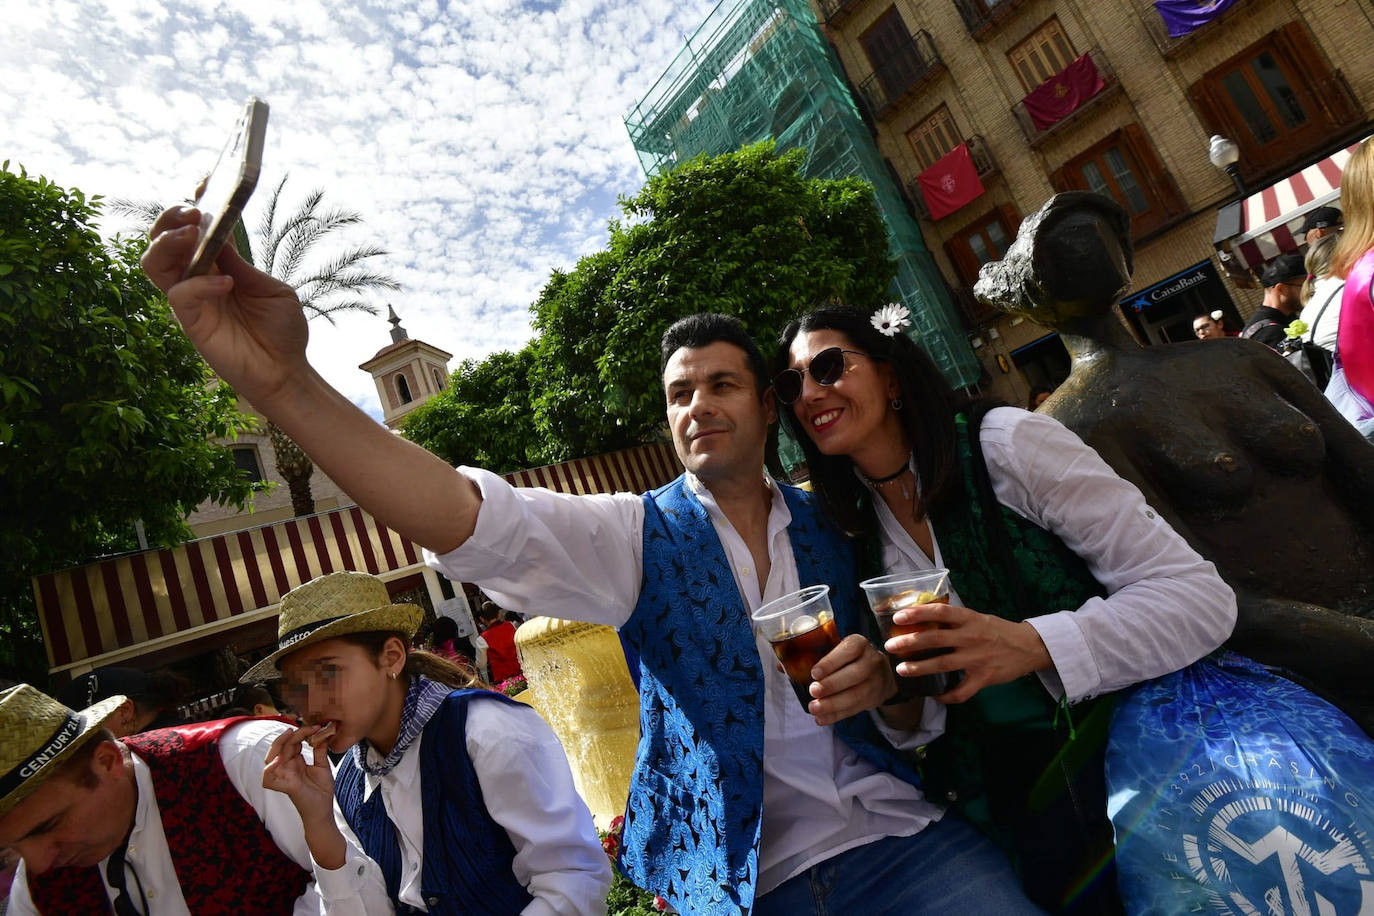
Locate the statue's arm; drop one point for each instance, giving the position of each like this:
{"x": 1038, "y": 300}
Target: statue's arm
{"x": 1329, "y": 650}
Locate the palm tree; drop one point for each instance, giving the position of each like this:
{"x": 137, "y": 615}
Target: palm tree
{"x": 284, "y": 245}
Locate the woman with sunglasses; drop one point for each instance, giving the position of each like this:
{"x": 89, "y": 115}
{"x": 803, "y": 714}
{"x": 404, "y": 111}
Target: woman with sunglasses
{"x": 1065, "y": 584}
{"x": 462, "y": 796}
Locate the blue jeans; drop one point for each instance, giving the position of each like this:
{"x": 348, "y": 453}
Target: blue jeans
{"x": 947, "y": 868}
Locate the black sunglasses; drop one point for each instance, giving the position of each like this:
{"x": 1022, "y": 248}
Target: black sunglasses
{"x": 825, "y": 367}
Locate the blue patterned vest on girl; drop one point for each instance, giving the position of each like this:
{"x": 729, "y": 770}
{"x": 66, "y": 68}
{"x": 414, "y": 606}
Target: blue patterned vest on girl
{"x": 695, "y": 809}
{"x": 211, "y": 833}
{"x": 467, "y": 855}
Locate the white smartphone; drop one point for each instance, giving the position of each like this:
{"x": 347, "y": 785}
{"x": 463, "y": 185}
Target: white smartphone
{"x": 229, "y": 185}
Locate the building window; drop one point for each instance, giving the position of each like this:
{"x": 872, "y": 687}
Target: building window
{"x": 246, "y": 460}
{"x": 438, "y": 380}
{"x": 446, "y": 588}
{"x": 933, "y": 138}
{"x": 986, "y": 239}
{"x": 403, "y": 389}
{"x": 1125, "y": 168}
{"x": 1043, "y": 54}
{"x": 1277, "y": 99}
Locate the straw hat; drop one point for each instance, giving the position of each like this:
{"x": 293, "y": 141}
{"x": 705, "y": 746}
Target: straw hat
{"x": 38, "y": 735}
{"x": 333, "y": 605}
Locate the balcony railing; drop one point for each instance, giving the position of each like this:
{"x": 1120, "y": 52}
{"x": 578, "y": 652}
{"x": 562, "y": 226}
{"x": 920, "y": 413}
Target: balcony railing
{"x": 837, "y": 11}
{"x": 983, "y": 163}
{"x": 1167, "y": 44}
{"x": 900, "y": 74}
{"x": 982, "y": 16}
{"x": 1110, "y": 86}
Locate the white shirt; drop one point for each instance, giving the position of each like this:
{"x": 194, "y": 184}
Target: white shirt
{"x": 1166, "y": 605}
{"x": 528, "y": 790}
{"x": 580, "y": 558}
{"x": 1324, "y": 289}
{"x": 355, "y": 888}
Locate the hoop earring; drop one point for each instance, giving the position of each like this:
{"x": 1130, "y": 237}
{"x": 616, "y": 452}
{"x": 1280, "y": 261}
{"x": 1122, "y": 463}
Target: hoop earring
{"x": 896, "y": 403}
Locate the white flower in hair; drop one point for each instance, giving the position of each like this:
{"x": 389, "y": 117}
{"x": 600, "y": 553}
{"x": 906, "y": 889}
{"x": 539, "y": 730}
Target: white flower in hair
{"x": 1216, "y": 316}
{"x": 890, "y": 319}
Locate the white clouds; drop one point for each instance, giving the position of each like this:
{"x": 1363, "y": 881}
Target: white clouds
{"x": 471, "y": 135}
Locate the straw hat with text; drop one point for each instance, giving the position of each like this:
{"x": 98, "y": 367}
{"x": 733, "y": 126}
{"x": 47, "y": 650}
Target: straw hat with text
{"x": 38, "y": 735}
{"x": 336, "y": 604}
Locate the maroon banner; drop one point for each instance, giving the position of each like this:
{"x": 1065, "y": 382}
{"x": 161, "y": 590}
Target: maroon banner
{"x": 1062, "y": 94}
{"x": 950, "y": 183}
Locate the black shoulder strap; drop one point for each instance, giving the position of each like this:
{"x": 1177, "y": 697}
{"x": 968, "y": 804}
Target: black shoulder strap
{"x": 1312, "y": 335}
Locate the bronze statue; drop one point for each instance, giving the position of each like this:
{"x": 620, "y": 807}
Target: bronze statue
{"x": 1233, "y": 445}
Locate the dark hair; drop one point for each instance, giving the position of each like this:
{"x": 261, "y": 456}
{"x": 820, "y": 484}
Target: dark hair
{"x": 418, "y": 661}
{"x": 444, "y": 629}
{"x": 926, "y": 414}
{"x": 489, "y": 611}
{"x": 705, "y": 328}
{"x": 246, "y": 696}
{"x": 1035, "y": 393}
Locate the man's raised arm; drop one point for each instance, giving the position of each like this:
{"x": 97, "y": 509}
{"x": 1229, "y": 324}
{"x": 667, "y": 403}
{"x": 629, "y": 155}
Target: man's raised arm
{"x": 250, "y": 328}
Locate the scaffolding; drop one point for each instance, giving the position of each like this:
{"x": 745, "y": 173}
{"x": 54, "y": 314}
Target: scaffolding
{"x": 757, "y": 69}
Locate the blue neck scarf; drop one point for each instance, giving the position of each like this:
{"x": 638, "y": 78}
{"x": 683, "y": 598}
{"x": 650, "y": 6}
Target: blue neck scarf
{"x": 422, "y": 701}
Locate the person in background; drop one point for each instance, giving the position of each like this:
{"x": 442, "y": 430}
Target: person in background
{"x": 1282, "y": 282}
{"x": 252, "y": 700}
{"x": 463, "y": 797}
{"x": 152, "y": 697}
{"x": 445, "y": 642}
{"x": 163, "y": 823}
{"x": 1321, "y": 294}
{"x": 1321, "y": 223}
{"x": 495, "y": 644}
{"x": 1354, "y": 260}
{"x": 1211, "y": 326}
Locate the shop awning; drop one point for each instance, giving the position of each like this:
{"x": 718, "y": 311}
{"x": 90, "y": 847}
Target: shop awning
{"x": 1265, "y": 224}
{"x": 125, "y": 606}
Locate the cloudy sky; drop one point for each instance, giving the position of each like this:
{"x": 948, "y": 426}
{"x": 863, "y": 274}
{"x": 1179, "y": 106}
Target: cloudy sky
{"x": 482, "y": 141}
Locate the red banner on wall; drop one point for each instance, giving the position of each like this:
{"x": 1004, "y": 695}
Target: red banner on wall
{"x": 950, "y": 183}
{"x": 1062, "y": 94}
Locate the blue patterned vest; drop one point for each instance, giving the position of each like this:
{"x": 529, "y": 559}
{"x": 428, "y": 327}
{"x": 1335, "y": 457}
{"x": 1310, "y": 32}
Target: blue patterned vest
{"x": 467, "y": 855}
{"x": 695, "y": 808}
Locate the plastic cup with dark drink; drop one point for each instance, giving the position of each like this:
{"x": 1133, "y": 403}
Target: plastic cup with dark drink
{"x": 801, "y": 629}
{"x": 889, "y": 594}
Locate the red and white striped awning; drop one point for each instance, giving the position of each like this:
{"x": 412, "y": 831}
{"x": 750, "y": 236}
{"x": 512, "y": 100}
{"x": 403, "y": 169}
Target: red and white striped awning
{"x": 1269, "y": 220}
{"x": 130, "y": 605}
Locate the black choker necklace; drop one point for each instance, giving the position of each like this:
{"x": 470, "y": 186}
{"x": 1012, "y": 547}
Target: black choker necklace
{"x": 876, "y": 481}
{"x": 892, "y": 478}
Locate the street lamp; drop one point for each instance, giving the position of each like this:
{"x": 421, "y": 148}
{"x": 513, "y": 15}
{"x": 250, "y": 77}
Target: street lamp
{"x": 1225, "y": 154}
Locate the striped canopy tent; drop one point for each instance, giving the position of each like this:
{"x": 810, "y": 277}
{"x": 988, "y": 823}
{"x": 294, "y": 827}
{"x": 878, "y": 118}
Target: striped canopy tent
{"x": 159, "y": 602}
{"x": 1254, "y": 231}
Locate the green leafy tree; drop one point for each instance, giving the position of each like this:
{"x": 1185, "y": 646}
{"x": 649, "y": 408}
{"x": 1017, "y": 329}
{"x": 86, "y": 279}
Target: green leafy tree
{"x": 476, "y": 421}
{"x": 743, "y": 233}
{"x": 106, "y": 414}
{"x": 286, "y": 246}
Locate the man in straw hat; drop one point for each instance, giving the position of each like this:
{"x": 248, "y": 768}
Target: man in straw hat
{"x": 172, "y": 821}
{"x": 722, "y": 809}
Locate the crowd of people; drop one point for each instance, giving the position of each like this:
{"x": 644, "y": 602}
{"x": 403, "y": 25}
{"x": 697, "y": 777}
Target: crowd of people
{"x": 1317, "y": 310}
{"x": 402, "y": 783}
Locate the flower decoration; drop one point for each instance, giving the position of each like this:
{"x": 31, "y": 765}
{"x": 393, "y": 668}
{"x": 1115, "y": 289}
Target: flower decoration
{"x": 1296, "y": 329}
{"x": 1216, "y": 315}
{"x": 890, "y": 319}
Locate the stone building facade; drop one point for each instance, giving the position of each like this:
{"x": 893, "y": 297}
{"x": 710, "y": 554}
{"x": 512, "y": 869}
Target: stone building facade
{"x": 1289, "y": 81}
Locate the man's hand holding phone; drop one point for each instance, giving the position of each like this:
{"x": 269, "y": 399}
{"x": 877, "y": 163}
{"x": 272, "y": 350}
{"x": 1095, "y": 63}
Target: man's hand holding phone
{"x": 247, "y": 324}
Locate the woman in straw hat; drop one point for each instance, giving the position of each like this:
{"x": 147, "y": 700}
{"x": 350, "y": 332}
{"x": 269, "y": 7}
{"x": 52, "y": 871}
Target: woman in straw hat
{"x": 462, "y": 796}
